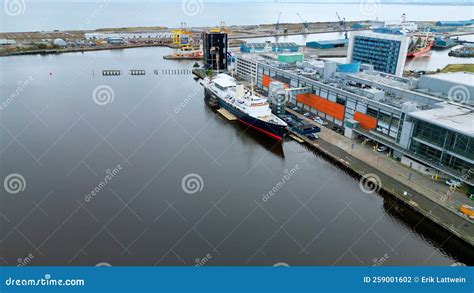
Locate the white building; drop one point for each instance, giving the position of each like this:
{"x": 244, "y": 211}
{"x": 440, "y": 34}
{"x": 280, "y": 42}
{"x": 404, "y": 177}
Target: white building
{"x": 385, "y": 51}
{"x": 246, "y": 66}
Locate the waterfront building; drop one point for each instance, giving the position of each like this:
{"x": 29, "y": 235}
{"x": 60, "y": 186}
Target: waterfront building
{"x": 246, "y": 66}
{"x": 417, "y": 119}
{"x": 60, "y": 43}
{"x": 455, "y": 23}
{"x": 215, "y": 50}
{"x": 385, "y": 51}
{"x": 268, "y": 47}
{"x": 290, "y": 57}
{"x": 328, "y": 44}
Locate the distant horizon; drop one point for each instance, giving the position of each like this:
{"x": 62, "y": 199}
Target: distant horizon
{"x": 437, "y": 2}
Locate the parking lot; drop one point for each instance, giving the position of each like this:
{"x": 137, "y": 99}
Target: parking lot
{"x": 370, "y": 152}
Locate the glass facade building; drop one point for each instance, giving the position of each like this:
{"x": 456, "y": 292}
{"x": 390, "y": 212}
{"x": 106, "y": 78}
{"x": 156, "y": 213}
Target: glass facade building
{"x": 388, "y": 120}
{"x": 382, "y": 54}
{"x": 386, "y": 52}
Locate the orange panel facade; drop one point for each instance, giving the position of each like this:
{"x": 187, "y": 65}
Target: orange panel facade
{"x": 266, "y": 81}
{"x": 366, "y": 122}
{"x": 330, "y": 108}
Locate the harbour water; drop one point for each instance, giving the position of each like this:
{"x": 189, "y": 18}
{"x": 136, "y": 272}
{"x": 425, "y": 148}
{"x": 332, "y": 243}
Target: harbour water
{"x": 106, "y": 161}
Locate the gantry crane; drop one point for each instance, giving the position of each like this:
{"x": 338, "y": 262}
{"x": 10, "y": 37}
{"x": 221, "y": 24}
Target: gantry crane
{"x": 305, "y": 24}
{"x": 277, "y": 26}
{"x": 342, "y": 22}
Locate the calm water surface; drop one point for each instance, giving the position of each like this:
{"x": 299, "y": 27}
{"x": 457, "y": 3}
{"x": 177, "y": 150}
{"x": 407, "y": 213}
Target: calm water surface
{"x": 158, "y": 130}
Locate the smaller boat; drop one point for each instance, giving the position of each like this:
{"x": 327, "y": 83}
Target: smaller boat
{"x": 186, "y": 53}
{"x": 420, "y": 44}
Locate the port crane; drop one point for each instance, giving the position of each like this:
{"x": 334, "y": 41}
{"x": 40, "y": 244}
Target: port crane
{"x": 342, "y": 22}
{"x": 277, "y": 26}
{"x": 305, "y": 24}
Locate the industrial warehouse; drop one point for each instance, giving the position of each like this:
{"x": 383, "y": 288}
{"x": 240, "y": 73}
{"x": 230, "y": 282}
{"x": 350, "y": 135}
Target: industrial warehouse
{"x": 421, "y": 121}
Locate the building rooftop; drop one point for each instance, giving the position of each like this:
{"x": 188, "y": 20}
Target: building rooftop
{"x": 455, "y": 117}
{"x": 330, "y": 42}
{"x": 459, "y": 78}
{"x": 263, "y": 45}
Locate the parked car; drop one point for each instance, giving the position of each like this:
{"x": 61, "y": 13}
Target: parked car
{"x": 306, "y": 115}
{"x": 337, "y": 129}
{"x": 382, "y": 149}
{"x": 319, "y": 120}
{"x": 453, "y": 183}
{"x": 295, "y": 108}
{"x": 312, "y": 136}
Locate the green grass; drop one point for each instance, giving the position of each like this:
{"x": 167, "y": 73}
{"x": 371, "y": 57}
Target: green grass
{"x": 458, "y": 68}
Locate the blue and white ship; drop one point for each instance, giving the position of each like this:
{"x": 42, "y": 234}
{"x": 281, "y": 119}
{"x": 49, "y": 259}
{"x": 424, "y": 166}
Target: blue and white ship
{"x": 250, "y": 109}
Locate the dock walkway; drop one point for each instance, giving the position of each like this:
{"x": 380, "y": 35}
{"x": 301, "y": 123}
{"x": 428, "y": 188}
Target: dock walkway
{"x": 422, "y": 193}
{"x": 229, "y": 116}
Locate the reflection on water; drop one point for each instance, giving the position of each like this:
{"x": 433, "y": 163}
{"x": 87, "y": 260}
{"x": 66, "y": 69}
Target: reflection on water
{"x": 63, "y": 143}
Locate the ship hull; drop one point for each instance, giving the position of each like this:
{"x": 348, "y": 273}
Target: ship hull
{"x": 420, "y": 52}
{"x": 274, "y": 131}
